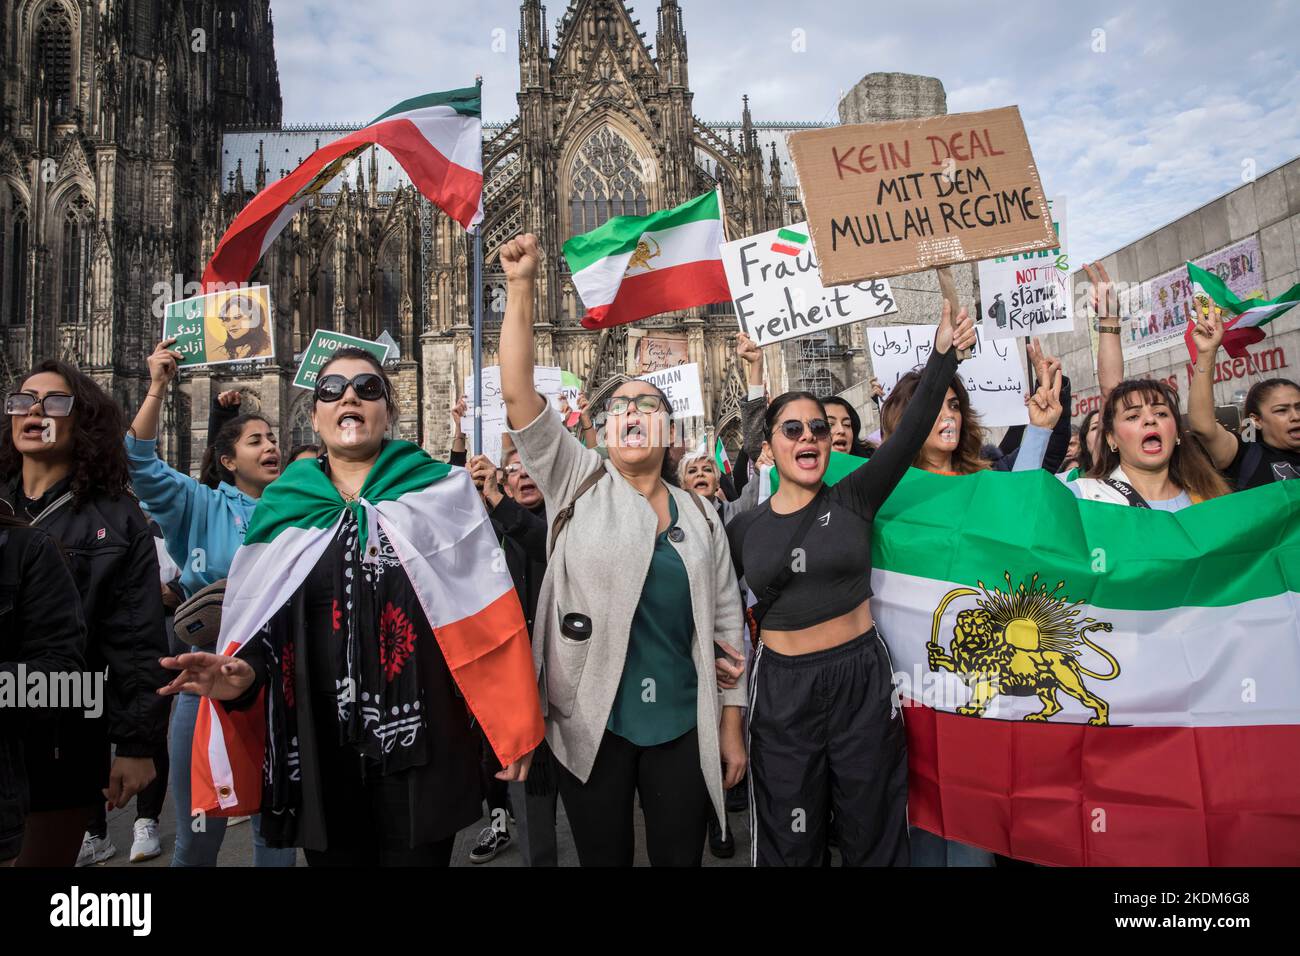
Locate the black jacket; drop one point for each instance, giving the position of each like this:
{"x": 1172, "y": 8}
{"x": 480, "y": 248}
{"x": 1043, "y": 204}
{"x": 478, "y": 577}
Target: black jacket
{"x": 42, "y": 629}
{"x": 110, "y": 551}
{"x": 523, "y": 536}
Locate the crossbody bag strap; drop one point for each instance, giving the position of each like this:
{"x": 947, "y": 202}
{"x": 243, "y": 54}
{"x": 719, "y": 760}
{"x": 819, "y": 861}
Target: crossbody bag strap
{"x": 703, "y": 509}
{"x": 565, "y": 513}
{"x": 1128, "y": 491}
{"x": 777, "y": 585}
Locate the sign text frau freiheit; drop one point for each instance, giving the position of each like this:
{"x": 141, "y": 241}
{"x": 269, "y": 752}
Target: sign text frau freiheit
{"x": 886, "y": 199}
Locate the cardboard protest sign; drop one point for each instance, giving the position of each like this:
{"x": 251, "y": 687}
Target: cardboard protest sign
{"x": 654, "y": 353}
{"x": 993, "y": 375}
{"x": 885, "y": 199}
{"x": 233, "y": 326}
{"x": 779, "y": 295}
{"x": 1031, "y": 293}
{"x": 323, "y": 344}
{"x": 682, "y": 386}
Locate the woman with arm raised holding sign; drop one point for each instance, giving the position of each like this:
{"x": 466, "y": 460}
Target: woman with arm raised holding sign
{"x": 825, "y": 733}
{"x": 638, "y": 590}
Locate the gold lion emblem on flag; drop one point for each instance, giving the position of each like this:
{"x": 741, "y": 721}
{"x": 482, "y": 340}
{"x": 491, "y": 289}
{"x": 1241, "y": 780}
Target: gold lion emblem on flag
{"x": 1023, "y": 642}
{"x": 642, "y": 255}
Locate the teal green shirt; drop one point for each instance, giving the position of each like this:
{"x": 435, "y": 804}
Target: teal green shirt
{"x": 656, "y": 698}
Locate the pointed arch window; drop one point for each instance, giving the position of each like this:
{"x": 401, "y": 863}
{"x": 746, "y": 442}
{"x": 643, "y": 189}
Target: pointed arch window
{"x": 325, "y": 291}
{"x": 74, "y": 272}
{"x": 390, "y": 288}
{"x": 53, "y": 66}
{"x": 606, "y": 181}
{"x": 13, "y": 265}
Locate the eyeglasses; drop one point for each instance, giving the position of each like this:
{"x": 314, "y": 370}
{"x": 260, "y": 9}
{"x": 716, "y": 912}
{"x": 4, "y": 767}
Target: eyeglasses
{"x": 54, "y": 404}
{"x": 513, "y": 469}
{"x": 792, "y": 429}
{"x": 645, "y": 404}
{"x": 368, "y": 386}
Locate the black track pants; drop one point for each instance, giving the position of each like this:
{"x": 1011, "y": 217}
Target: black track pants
{"x": 826, "y": 738}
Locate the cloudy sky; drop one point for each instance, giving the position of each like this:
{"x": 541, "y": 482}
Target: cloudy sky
{"x": 1137, "y": 111}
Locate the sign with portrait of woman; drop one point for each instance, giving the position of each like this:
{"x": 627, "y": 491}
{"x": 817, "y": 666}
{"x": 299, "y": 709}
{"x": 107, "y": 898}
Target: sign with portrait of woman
{"x": 232, "y": 326}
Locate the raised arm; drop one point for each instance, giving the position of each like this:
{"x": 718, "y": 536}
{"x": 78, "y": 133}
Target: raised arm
{"x": 519, "y": 259}
{"x": 162, "y": 369}
{"x": 1207, "y": 335}
{"x": 754, "y": 406}
{"x": 1110, "y": 354}
{"x": 871, "y": 484}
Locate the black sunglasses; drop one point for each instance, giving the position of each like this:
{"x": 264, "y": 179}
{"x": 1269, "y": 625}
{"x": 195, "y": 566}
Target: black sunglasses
{"x": 645, "y": 404}
{"x": 54, "y": 404}
{"x": 368, "y": 386}
{"x": 792, "y": 428}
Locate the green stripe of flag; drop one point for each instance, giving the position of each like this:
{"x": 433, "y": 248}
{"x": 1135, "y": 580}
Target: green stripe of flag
{"x": 1237, "y": 548}
{"x": 620, "y": 234}
{"x": 467, "y": 102}
{"x": 1225, "y": 298}
{"x": 303, "y": 497}
{"x": 789, "y": 236}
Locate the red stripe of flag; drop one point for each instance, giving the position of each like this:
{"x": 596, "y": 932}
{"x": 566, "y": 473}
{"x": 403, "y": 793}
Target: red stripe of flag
{"x": 1077, "y": 795}
{"x": 662, "y": 290}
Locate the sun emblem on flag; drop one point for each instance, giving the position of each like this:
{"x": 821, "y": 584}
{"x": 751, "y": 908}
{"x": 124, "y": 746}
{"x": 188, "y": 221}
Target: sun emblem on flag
{"x": 642, "y": 256}
{"x": 1024, "y": 642}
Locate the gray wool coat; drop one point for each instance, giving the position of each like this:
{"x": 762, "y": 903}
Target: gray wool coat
{"x": 598, "y": 569}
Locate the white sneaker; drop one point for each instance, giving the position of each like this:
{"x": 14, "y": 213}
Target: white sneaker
{"x": 95, "y": 850}
{"x": 145, "y": 845}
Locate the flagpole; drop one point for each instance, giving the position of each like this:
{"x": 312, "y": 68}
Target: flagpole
{"x": 478, "y": 315}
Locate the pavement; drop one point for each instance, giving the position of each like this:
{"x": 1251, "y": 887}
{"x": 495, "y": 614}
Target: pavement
{"x": 237, "y": 849}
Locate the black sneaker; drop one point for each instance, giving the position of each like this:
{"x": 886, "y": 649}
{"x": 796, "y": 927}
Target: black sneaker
{"x": 720, "y": 848}
{"x": 491, "y": 841}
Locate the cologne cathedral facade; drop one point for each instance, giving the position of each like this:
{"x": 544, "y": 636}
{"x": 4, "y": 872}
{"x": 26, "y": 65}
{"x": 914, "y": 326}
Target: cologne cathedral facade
{"x": 133, "y": 131}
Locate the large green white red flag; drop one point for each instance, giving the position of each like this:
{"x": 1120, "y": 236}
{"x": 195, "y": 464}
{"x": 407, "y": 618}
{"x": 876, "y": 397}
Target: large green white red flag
{"x": 637, "y": 266}
{"x": 1245, "y": 319}
{"x": 436, "y": 138}
{"x": 1086, "y": 684}
{"x": 434, "y": 518}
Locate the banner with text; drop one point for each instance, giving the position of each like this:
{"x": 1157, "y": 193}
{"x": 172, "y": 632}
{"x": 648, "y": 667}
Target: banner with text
{"x": 778, "y": 292}
{"x": 993, "y": 375}
{"x": 1156, "y": 310}
{"x": 548, "y": 380}
{"x": 885, "y": 199}
{"x": 233, "y": 326}
{"x": 1031, "y": 293}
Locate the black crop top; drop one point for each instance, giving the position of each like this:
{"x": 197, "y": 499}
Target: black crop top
{"x": 834, "y": 573}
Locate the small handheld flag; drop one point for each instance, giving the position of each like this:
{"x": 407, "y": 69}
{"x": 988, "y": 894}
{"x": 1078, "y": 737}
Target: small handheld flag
{"x": 1245, "y": 324}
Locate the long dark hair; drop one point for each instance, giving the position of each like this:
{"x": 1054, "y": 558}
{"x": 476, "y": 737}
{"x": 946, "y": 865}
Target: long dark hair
{"x": 99, "y": 465}
{"x": 212, "y": 472}
{"x": 857, "y": 446}
{"x": 257, "y": 340}
{"x": 967, "y": 457}
{"x": 1190, "y": 467}
{"x": 1084, "y": 458}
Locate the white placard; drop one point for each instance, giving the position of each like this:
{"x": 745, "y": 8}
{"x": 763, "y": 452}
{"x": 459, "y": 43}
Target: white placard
{"x": 993, "y": 375}
{"x": 1029, "y": 294}
{"x": 546, "y": 379}
{"x": 681, "y": 384}
{"x": 777, "y": 290}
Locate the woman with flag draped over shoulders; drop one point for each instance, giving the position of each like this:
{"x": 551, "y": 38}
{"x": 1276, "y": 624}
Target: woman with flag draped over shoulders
{"x": 366, "y": 629}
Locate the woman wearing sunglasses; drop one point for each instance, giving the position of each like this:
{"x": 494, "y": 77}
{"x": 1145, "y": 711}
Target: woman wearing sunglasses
{"x": 63, "y": 469}
{"x": 377, "y": 634}
{"x": 638, "y": 589}
{"x": 825, "y": 736}
{"x": 203, "y": 524}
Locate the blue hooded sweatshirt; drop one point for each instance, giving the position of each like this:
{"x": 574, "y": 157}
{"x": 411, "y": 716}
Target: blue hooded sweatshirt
{"x": 203, "y": 527}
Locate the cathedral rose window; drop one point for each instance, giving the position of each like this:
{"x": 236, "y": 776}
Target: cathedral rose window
{"x": 607, "y": 181}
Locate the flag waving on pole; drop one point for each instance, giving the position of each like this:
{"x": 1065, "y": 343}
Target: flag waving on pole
{"x": 637, "y": 266}
{"x": 436, "y": 138}
{"x": 1244, "y": 324}
{"x": 720, "y": 459}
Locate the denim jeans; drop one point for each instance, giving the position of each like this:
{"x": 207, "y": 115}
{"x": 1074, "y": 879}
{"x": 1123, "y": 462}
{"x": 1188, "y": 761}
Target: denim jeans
{"x": 201, "y": 849}
{"x": 931, "y": 850}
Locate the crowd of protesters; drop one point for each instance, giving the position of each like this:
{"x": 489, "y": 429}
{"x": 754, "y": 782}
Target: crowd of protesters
{"x": 657, "y": 685}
